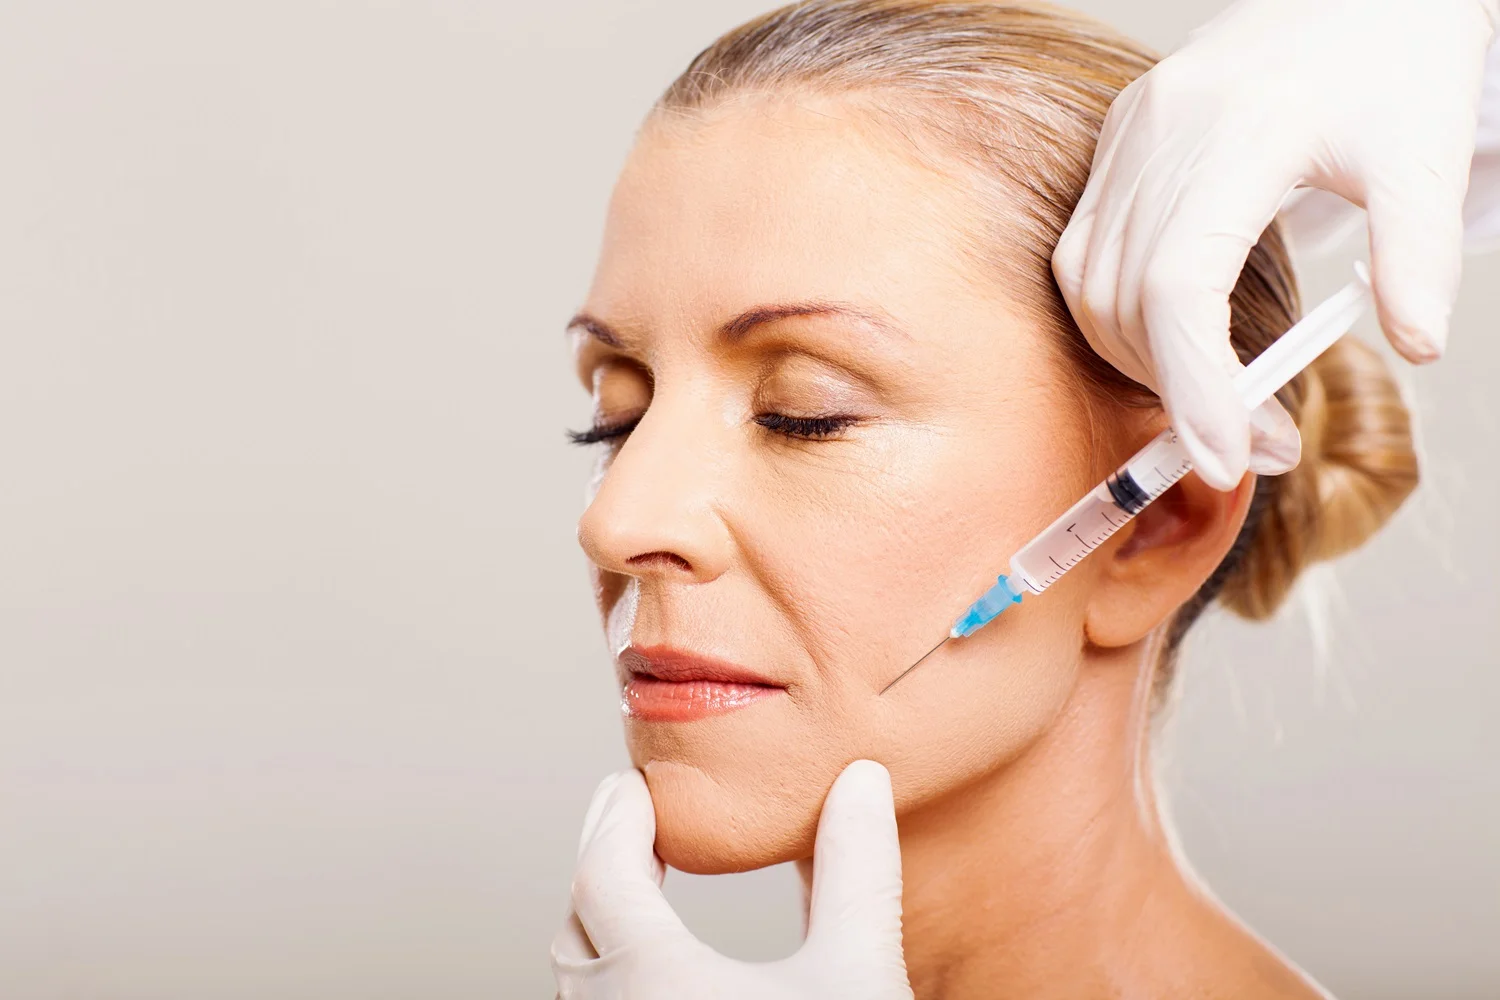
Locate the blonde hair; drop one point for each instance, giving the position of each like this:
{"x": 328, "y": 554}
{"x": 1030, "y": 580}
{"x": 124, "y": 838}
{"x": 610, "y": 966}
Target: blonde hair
{"x": 1019, "y": 91}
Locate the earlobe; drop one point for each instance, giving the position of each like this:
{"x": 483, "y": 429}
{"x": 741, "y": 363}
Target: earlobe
{"x": 1160, "y": 561}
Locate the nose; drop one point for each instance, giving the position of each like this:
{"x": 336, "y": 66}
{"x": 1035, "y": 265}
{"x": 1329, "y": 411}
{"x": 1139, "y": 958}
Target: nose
{"x": 656, "y": 513}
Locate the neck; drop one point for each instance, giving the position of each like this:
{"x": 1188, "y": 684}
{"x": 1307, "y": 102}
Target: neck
{"x": 1050, "y": 876}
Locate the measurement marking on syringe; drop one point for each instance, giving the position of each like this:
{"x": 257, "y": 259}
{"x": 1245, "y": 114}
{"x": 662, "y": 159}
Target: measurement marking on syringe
{"x": 1113, "y": 503}
{"x": 1083, "y": 541}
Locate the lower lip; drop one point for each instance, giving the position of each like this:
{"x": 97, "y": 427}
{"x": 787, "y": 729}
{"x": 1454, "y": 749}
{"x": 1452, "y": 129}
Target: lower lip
{"x": 653, "y": 700}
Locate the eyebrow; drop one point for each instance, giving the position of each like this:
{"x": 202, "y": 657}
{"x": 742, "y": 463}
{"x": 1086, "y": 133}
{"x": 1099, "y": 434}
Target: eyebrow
{"x": 741, "y": 325}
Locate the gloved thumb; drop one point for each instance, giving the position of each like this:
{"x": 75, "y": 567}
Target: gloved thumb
{"x": 1416, "y": 248}
{"x": 855, "y": 909}
{"x": 617, "y": 885}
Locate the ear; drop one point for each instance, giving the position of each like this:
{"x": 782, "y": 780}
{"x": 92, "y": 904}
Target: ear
{"x": 1166, "y": 554}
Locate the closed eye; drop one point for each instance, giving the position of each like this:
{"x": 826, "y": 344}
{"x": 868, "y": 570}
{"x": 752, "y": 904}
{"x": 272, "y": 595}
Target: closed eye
{"x": 602, "y": 432}
{"x": 798, "y": 428}
{"x": 805, "y": 428}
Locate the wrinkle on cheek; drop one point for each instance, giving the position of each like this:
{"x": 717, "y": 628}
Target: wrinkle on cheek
{"x": 858, "y": 558}
{"x": 812, "y": 576}
{"x": 865, "y": 625}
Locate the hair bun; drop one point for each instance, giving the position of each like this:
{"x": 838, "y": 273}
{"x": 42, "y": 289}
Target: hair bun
{"x": 1358, "y": 465}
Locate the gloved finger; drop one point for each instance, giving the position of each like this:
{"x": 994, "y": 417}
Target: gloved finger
{"x": 1067, "y": 263}
{"x": 617, "y": 884}
{"x": 1095, "y": 321}
{"x": 1071, "y": 256}
{"x": 1122, "y": 230}
{"x": 1416, "y": 247}
{"x": 1121, "y": 112}
{"x": 1221, "y": 205}
{"x": 574, "y": 960}
{"x": 1275, "y": 442}
{"x": 571, "y": 949}
{"x": 1086, "y": 260}
{"x": 1107, "y": 293}
{"x": 1117, "y": 121}
{"x": 1198, "y": 393}
{"x": 596, "y": 808}
{"x": 856, "y": 891}
{"x": 570, "y": 945}
{"x": 1114, "y": 330}
{"x": 1192, "y": 223}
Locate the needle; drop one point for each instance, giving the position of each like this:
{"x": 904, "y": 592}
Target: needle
{"x": 1148, "y": 475}
{"x": 914, "y": 666}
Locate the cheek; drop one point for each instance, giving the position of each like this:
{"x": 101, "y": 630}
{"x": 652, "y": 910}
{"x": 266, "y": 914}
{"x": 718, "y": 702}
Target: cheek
{"x": 873, "y": 555}
{"x": 979, "y": 703}
{"x": 874, "y": 563}
{"x": 852, "y": 562}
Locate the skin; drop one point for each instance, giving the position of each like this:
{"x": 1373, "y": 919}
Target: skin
{"x": 1034, "y": 864}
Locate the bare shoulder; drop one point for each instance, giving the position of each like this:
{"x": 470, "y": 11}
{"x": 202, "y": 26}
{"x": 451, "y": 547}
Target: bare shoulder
{"x": 1203, "y": 952}
{"x": 1270, "y": 976}
{"x": 1243, "y": 965}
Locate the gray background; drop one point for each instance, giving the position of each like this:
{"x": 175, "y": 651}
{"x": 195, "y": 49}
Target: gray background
{"x": 301, "y": 693}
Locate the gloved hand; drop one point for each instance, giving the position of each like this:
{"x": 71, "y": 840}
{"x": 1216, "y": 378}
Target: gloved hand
{"x": 1374, "y": 100}
{"x": 622, "y": 938}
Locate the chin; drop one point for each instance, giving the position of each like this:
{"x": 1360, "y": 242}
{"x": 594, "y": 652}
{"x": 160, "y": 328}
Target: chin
{"x": 709, "y": 826}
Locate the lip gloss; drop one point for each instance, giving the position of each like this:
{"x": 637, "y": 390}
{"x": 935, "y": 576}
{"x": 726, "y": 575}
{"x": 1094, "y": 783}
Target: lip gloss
{"x": 664, "y": 684}
{"x": 652, "y": 699}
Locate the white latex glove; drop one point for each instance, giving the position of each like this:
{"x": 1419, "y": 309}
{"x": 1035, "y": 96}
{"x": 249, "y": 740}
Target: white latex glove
{"x": 1373, "y": 100}
{"x": 622, "y": 939}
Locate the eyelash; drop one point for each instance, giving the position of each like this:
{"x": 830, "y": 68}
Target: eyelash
{"x": 797, "y": 428}
{"x": 804, "y": 428}
{"x": 603, "y": 432}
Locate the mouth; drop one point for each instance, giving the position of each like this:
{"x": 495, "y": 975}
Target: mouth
{"x": 663, "y": 684}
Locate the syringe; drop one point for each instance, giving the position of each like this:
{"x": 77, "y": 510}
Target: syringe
{"x": 1110, "y": 505}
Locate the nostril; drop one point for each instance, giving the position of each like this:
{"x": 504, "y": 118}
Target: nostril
{"x": 647, "y": 560}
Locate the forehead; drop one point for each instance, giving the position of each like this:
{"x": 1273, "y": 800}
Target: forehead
{"x": 778, "y": 198}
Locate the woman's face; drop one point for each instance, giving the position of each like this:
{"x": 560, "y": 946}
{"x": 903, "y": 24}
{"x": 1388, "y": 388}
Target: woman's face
{"x": 840, "y": 426}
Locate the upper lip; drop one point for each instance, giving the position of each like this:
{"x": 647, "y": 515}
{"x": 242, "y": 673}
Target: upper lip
{"x": 668, "y": 664}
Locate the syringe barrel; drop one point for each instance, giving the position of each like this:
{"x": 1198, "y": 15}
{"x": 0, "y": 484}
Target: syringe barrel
{"x": 1153, "y": 470}
{"x": 1102, "y": 512}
